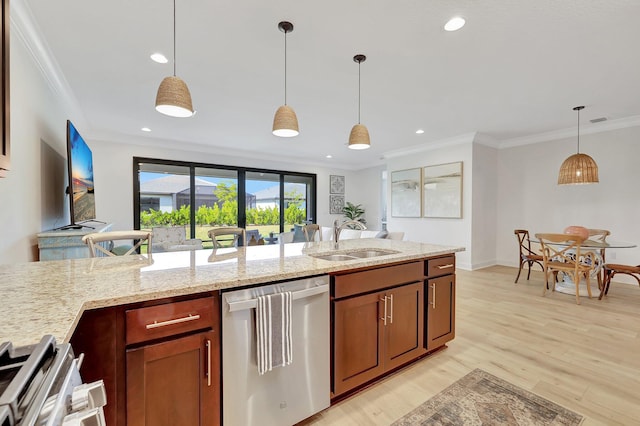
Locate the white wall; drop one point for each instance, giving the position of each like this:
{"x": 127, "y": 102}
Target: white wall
{"x": 484, "y": 206}
{"x": 365, "y": 187}
{"x": 529, "y": 197}
{"x": 455, "y": 232}
{"x": 32, "y": 194}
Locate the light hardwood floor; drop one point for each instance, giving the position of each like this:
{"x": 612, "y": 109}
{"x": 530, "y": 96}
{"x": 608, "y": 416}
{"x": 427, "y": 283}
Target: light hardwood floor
{"x": 583, "y": 357}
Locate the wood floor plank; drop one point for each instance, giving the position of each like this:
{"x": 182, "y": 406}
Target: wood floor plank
{"x": 583, "y": 357}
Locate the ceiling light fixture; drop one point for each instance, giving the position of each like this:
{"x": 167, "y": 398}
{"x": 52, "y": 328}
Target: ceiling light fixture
{"x": 145, "y": 129}
{"x": 159, "y": 58}
{"x": 174, "y": 98}
{"x": 285, "y": 122}
{"x": 578, "y": 168}
{"x": 454, "y": 24}
{"x": 419, "y": 131}
{"x": 359, "y": 137}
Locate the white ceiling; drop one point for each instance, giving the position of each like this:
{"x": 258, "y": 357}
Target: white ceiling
{"x": 516, "y": 69}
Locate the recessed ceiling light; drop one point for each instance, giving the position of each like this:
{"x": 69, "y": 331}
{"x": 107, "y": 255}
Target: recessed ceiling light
{"x": 145, "y": 129}
{"x": 329, "y": 156}
{"x": 454, "y": 24}
{"x": 419, "y": 131}
{"x": 159, "y": 58}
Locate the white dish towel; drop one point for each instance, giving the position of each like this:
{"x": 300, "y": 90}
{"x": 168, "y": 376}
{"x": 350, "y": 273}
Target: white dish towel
{"x": 273, "y": 331}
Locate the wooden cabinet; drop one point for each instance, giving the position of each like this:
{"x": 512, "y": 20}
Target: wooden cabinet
{"x": 174, "y": 382}
{"x": 173, "y": 377}
{"x": 160, "y": 360}
{"x": 440, "y": 301}
{"x": 377, "y": 331}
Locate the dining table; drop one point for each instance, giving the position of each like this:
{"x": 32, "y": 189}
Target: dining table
{"x": 599, "y": 249}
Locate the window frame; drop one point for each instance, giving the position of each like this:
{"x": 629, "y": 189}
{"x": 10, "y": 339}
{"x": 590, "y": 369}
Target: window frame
{"x": 241, "y": 176}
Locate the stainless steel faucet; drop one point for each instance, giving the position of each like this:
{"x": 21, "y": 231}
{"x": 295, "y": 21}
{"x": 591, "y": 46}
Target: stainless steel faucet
{"x": 337, "y": 229}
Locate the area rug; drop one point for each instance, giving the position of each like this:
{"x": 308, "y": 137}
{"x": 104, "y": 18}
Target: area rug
{"x": 480, "y": 398}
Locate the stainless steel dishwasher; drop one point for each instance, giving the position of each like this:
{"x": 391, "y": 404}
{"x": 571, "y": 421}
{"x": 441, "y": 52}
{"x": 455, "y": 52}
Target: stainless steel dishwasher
{"x": 285, "y": 395}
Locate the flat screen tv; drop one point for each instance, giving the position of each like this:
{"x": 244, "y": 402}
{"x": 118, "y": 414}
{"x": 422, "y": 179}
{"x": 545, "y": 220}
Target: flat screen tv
{"x": 81, "y": 190}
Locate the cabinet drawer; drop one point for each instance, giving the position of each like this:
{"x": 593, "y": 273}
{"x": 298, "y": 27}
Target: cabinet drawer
{"x": 441, "y": 266}
{"x": 375, "y": 279}
{"x": 159, "y": 321}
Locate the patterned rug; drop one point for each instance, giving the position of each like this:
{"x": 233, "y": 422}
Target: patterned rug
{"x": 480, "y": 398}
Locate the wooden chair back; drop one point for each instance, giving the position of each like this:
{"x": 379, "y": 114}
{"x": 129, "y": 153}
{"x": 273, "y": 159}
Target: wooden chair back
{"x": 94, "y": 242}
{"x": 599, "y": 235}
{"x": 235, "y": 232}
{"x": 563, "y": 253}
{"x": 310, "y": 232}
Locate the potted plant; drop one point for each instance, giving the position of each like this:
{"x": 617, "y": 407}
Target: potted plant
{"x": 354, "y": 212}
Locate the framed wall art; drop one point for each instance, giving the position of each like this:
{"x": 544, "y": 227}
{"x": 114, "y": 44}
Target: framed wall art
{"x": 405, "y": 193}
{"x": 336, "y": 184}
{"x": 442, "y": 190}
{"x": 336, "y": 204}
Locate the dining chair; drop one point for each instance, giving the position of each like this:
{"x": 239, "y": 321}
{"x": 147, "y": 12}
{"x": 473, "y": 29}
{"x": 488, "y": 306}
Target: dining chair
{"x": 239, "y": 236}
{"x": 562, "y": 253}
{"x": 527, "y": 255}
{"x": 310, "y": 232}
{"x": 103, "y": 243}
{"x": 599, "y": 235}
{"x": 611, "y": 269}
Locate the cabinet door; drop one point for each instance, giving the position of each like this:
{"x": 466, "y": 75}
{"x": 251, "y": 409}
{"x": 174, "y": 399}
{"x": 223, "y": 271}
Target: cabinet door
{"x": 358, "y": 331}
{"x": 441, "y": 299}
{"x": 174, "y": 382}
{"x": 404, "y": 332}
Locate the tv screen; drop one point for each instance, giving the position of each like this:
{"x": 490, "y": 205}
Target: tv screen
{"x": 81, "y": 191}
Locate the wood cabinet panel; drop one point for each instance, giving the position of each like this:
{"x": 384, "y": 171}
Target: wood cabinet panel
{"x": 169, "y": 319}
{"x": 376, "y": 279}
{"x": 440, "y": 311}
{"x": 405, "y": 328}
{"x": 357, "y": 340}
{"x": 174, "y": 382}
{"x": 441, "y": 266}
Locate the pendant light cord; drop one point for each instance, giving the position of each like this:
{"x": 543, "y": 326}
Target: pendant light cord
{"x": 359, "y": 91}
{"x": 579, "y": 131}
{"x": 174, "y": 38}
{"x": 285, "y": 67}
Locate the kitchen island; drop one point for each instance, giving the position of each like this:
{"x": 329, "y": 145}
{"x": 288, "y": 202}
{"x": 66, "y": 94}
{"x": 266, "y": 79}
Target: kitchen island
{"x": 98, "y": 303}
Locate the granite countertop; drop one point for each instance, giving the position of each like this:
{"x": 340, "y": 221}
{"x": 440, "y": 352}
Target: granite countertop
{"x": 40, "y": 298}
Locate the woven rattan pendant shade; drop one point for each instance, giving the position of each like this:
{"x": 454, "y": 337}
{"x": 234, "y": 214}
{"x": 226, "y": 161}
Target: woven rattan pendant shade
{"x": 579, "y": 168}
{"x": 285, "y": 122}
{"x": 359, "y": 137}
{"x": 174, "y": 98}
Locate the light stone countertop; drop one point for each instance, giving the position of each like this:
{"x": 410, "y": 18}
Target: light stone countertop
{"x": 49, "y": 297}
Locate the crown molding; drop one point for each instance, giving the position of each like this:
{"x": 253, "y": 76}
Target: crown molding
{"x": 430, "y": 146}
{"x": 25, "y": 29}
{"x": 587, "y": 129}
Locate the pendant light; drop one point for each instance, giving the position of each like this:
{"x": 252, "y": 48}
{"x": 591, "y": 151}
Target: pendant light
{"x": 285, "y": 122}
{"x": 578, "y": 168}
{"x": 359, "y": 137}
{"x": 173, "y": 96}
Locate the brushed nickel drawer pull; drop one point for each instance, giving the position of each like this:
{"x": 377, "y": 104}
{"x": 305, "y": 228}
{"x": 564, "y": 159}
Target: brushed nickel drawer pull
{"x": 433, "y": 298}
{"x": 208, "y": 362}
{"x": 157, "y": 324}
{"x": 384, "y": 317}
{"x": 391, "y": 316}
{"x": 449, "y": 265}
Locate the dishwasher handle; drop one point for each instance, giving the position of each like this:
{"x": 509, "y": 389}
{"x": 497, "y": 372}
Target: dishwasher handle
{"x": 296, "y": 295}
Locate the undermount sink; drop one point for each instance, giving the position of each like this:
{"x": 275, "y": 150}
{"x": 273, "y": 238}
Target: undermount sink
{"x": 370, "y": 253}
{"x": 354, "y": 254}
{"x": 333, "y": 256}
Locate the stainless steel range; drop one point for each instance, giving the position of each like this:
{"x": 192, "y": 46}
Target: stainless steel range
{"x": 40, "y": 385}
